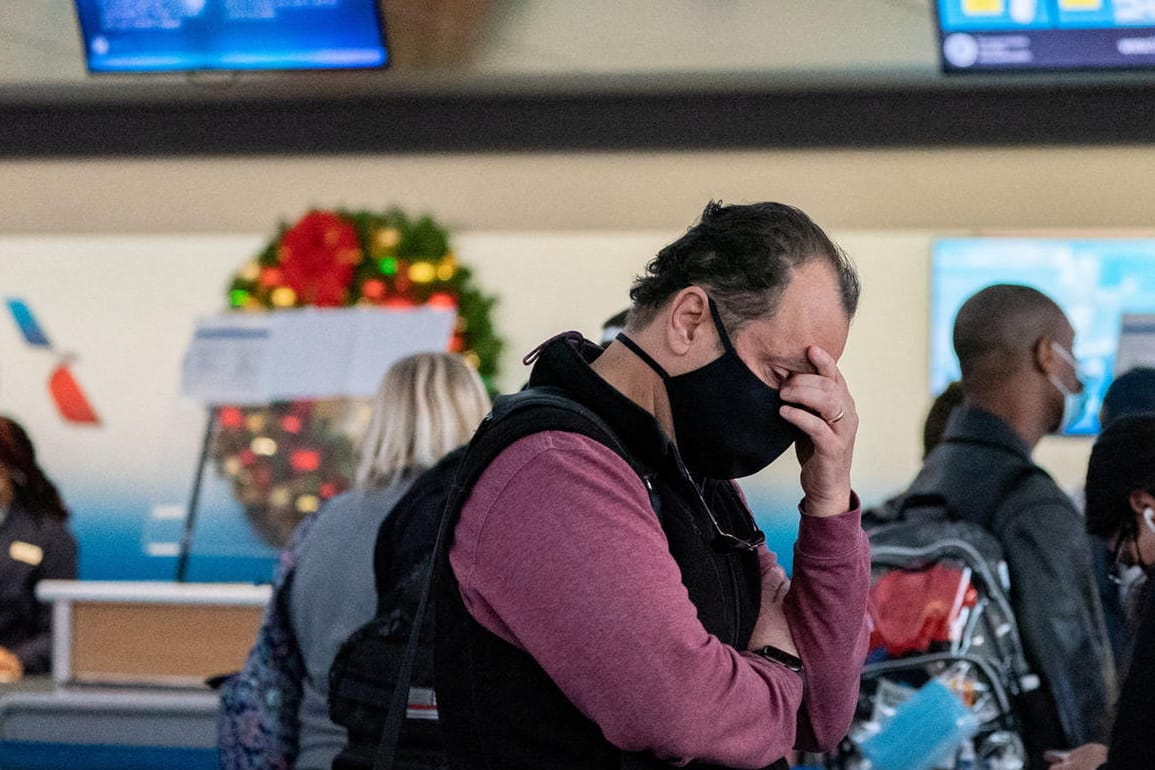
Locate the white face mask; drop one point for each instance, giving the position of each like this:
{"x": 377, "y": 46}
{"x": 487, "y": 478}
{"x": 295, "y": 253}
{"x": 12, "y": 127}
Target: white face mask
{"x": 1073, "y": 401}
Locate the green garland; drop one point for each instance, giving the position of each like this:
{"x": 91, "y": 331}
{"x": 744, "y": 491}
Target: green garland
{"x": 391, "y": 245}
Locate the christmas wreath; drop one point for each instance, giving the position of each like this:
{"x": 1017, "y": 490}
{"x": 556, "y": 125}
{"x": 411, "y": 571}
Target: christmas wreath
{"x": 284, "y": 459}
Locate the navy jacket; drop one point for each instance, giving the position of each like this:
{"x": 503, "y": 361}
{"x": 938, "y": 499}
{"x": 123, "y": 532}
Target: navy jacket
{"x": 32, "y": 548}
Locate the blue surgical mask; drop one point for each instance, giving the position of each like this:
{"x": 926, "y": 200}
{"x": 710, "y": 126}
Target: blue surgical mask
{"x": 1074, "y": 402}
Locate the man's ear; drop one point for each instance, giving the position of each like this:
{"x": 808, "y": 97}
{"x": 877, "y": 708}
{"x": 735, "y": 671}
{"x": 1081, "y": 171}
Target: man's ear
{"x": 1043, "y": 354}
{"x": 687, "y": 319}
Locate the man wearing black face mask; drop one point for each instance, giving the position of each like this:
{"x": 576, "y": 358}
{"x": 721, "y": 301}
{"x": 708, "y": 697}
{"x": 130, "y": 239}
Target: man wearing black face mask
{"x": 609, "y": 608}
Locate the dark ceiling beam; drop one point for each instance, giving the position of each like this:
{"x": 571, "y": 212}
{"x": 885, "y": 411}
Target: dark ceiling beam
{"x": 575, "y": 116}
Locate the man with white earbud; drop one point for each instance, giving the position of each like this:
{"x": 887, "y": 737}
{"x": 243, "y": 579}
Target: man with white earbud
{"x": 1121, "y": 510}
{"x": 1020, "y": 381}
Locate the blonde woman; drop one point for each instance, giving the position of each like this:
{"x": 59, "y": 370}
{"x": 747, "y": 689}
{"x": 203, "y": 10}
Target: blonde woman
{"x": 427, "y": 405}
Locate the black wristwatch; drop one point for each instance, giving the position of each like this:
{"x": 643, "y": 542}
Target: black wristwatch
{"x": 770, "y": 652}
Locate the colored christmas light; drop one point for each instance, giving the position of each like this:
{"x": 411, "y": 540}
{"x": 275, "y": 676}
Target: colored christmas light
{"x": 270, "y": 277}
{"x": 250, "y": 271}
{"x": 305, "y": 460}
{"x": 387, "y": 238}
{"x": 422, "y": 272}
{"x": 283, "y": 297}
{"x": 442, "y": 300}
{"x": 263, "y": 445}
{"x": 231, "y": 417}
{"x": 388, "y": 266}
{"x": 373, "y": 289}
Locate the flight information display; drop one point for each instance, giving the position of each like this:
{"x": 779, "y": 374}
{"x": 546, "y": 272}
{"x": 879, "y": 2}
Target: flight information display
{"x": 192, "y": 35}
{"x": 1033, "y": 35}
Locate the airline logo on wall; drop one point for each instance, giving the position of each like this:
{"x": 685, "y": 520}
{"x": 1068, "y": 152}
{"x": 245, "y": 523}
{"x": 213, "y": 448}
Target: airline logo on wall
{"x": 69, "y": 398}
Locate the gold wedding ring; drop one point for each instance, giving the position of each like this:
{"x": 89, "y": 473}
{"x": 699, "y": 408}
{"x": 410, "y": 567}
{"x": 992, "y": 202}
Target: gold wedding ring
{"x": 837, "y": 417}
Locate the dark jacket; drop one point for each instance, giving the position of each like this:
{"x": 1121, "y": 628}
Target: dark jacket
{"x": 1052, "y": 586}
{"x": 32, "y": 548}
{"x": 498, "y": 708}
{"x": 1132, "y": 739}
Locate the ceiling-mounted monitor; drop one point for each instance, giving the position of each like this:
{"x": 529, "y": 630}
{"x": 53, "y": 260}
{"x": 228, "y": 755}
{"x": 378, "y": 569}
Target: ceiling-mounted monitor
{"x": 231, "y": 35}
{"x": 1040, "y": 35}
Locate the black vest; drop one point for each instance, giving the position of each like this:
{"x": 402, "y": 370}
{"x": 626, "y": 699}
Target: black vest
{"x": 499, "y": 710}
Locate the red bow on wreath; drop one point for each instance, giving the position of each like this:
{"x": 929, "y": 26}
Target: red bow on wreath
{"x": 318, "y": 255}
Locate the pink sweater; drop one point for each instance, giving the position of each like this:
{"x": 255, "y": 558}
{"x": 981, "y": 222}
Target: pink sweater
{"x": 559, "y": 553}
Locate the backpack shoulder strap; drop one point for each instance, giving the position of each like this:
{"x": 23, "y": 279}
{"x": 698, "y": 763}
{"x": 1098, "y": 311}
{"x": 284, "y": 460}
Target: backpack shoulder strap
{"x": 404, "y": 536}
{"x": 513, "y": 417}
{"x": 541, "y": 409}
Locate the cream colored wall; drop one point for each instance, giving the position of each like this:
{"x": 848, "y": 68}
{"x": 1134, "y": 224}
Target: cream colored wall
{"x": 1084, "y": 187}
{"x": 519, "y": 216}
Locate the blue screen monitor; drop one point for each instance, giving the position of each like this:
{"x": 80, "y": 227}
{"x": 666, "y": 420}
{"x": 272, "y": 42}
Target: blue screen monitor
{"x": 231, "y": 35}
{"x": 1094, "y": 281}
{"x": 1035, "y": 35}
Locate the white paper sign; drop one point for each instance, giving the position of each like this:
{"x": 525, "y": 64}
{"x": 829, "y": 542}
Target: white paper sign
{"x": 305, "y": 353}
{"x": 227, "y": 359}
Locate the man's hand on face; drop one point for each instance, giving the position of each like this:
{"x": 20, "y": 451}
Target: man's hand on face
{"x": 825, "y": 412}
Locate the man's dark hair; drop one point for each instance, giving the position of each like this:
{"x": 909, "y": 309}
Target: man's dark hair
{"x": 744, "y": 257}
{"x": 997, "y": 328}
{"x": 1132, "y": 392}
{"x": 1122, "y": 461}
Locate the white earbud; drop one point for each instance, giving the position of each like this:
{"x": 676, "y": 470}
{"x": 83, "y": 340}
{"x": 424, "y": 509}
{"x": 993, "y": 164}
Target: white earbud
{"x": 1149, "y": 518}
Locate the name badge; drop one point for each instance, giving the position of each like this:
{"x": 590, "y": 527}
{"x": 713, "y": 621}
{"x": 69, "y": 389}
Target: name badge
{"x": 26, "y": 552}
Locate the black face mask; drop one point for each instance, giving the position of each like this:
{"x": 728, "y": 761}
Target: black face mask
{"x": 725, "y": 418}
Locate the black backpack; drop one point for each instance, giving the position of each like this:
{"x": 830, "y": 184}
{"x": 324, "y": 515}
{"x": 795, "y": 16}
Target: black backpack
{"x": 363, "y": 674}
{"x": 385, "y": 652}
{"x": 922, "y": 552}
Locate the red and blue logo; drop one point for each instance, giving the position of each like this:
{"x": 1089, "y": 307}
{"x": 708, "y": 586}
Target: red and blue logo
{"x": 71, "y": 402}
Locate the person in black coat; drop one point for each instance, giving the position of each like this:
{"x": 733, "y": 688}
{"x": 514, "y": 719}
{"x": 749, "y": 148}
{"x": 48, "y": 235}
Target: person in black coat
{"x": 1121, "y": 510}
{"x": 35, "y": 544}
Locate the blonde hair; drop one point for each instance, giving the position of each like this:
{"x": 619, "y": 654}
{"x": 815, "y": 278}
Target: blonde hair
{"x": 427, "y": 405}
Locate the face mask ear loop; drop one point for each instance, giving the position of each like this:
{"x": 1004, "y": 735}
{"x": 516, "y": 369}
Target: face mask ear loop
{"x": 1073, "y": 362}
{"x": 722, "y": 333}
{"x": 637, "y": 351}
